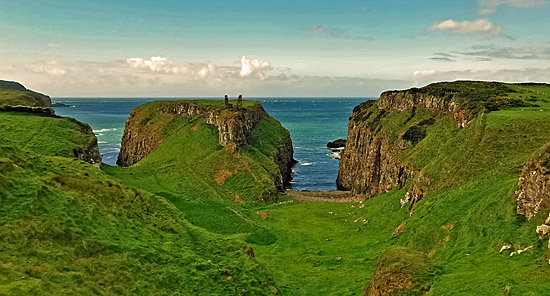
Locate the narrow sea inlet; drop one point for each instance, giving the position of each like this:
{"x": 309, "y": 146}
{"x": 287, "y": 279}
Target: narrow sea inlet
{"x": 312, "y": 123}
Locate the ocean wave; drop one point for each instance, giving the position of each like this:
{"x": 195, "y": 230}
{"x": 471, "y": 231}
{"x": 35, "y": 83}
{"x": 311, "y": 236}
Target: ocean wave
{"x": 105, "y": 130}
{"x": 102, "y": 142}
{"x": 306, "y": 163}
{"x": 108, "y": 150}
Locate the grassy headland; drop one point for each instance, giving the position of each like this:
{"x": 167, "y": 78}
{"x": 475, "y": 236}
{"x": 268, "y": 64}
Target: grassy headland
{"x": 167, "y": 225}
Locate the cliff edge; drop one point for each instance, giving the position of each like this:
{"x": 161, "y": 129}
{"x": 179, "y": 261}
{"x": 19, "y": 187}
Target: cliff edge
{"x": 238, "y": 130}
{"x": 381, "y": 131}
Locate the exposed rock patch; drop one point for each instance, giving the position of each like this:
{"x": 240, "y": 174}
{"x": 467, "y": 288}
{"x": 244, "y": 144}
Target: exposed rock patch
{"x": 398, "y": 272}
{"x": 534, "y": 184}
{"x": 88, "y": 154}
{"x": 403, "y": 101}
{"x": 340, "y": 143}
{"x": 370, "y": 163}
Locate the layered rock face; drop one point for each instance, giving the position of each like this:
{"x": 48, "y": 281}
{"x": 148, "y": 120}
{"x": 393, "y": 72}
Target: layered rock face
{"x": 534, "y": 184}
{"x": 370, "y": 165}
{"x": 408, "y": 100}
{"x": 370, "y": 162}
{"x": 235, "y": 127}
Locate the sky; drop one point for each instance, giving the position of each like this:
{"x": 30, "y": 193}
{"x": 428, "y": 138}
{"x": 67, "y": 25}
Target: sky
{"x": 181, "y": 48}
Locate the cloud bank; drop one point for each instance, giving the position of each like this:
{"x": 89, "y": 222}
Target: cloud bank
{"x": 160, "y": 76}
{"x": 479, "y": 26}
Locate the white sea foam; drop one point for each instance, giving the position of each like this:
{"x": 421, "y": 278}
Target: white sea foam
{"x": 102, "y": 142}
{"x": 105, "y": 130}
{"x": 306, "y": 163}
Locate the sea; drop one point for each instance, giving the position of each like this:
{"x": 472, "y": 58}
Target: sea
{"x": 312, "y": 123}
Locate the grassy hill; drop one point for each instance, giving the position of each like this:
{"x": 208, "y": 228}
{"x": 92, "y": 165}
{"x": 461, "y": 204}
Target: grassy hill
{"x": 15, "y": 94}
{"x": 67, "y": 228}
{"x": 166, "y": 226}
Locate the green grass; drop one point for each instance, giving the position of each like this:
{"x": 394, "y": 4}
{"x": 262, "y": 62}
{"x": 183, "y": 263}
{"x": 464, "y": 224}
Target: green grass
{"x": 68, "y": 228}
{"x": 163, "y": 240}
{"x": 12, "y": 95}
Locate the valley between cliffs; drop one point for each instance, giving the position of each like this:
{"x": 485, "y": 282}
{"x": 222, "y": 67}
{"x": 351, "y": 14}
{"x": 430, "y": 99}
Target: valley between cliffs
{"x": 447, "y": 195}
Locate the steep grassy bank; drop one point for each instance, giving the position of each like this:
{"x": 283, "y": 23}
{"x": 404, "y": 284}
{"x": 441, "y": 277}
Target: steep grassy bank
{"x": 15, "y": 94}
{"x": 240, "y": 151}
{"x": 68, "y": 228}
{"x": 461, "y": 193}
{"x": 169, "y": 224}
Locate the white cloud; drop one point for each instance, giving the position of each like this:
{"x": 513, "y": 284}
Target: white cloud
{"x": 424, "y": 73}
{"x": 155, "y": 64}
{"x": 249, "y": 67}
{"x": 51, "y": 68}
{"x": 479, "y": 26}
{"x": 488, "y": 7}
{"x": 210, "y": 71}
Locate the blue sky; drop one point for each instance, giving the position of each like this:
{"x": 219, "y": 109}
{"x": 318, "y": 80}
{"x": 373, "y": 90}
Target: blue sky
{"x": 268, "y": 48}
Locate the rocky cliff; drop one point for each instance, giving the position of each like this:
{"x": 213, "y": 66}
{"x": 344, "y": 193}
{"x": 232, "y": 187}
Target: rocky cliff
{"x": 144, "y": 131}
{"x": 371, "y": 163}
{"x": 88, "y": 153}
{"x": 534, "y": 184}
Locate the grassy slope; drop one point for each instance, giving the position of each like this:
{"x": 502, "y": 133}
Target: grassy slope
{"x": 202, "y": 178}
{"x": 301, "y": 242}
{"x": 475, "y": 172}
{"x": 14, "y": 94}
{"x": 68, "y": 228}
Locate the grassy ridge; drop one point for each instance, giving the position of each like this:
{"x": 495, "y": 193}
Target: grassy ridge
{"x": 68, "y": 228}
{"x": 15, "y": 94}
{"x": 182, "y": 229}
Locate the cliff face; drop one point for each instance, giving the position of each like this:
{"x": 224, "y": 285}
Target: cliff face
{"x": 235, "y": 127}
{"x": 534, "y": 185}
{"x": 402, "y": 101}
{"x": 89, "y": 154}
{"x": 370, "y": 164}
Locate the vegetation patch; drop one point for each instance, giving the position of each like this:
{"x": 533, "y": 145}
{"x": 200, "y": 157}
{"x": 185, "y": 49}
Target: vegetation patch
{"x": 399, "y": 272}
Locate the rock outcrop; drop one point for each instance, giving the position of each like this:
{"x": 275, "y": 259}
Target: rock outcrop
{"x": 43, "y": 111}
{"x": 370, "y": 164}
{"x": 235, "y": 128}
{"x": 412, "y": 99}
{"x": 534, "y": 184}
{"x": 89, "y": 154}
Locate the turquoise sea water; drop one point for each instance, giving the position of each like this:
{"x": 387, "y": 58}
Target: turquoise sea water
{"x": 312, "y": 123}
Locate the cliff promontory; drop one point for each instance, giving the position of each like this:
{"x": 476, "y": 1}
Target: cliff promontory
{"x": 15, "y": 94}
{"x": 244, "y": 131}
{"x": 380, "y": 132}
{"x": 447, "y": 158}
